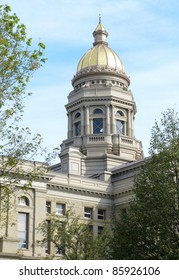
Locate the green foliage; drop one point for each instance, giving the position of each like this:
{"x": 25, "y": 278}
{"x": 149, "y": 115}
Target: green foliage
{"x": 73, "y": 239}
{"x": 150, "y": 229}
{"x": 18, "y": 62}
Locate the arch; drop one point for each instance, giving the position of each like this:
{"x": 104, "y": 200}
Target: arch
{"x": 97, "y": 111}
{"x": 77, "y": 115}
{"x": 120, "y": 113}
{"x": 23, "y": 200}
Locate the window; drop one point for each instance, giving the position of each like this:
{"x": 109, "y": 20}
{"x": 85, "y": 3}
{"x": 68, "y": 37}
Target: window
{"x": 77, "y": 128}
{"x": 120, "y": 122}
{"x": 120, "y": 113}
{"x": 90, "y": 228}
{"x": 23, "y": 220}
{"x": 60, "y": 209}
{"x": 100, "y": 229}
{"x": 101, "y": 214}
{"x": 48, "y": 207}
{"x": 23, "y": 200}
{"x": 47, "y": 243}
{"x": 88, "y": 213}
{"x": 97, "y": 125}
{"x": 97, "y": 111}
{"x": 77, "y": 115}
{"x": 119, "y": 127}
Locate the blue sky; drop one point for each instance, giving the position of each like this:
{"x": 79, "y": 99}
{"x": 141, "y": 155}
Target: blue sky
{"x": 145, "y": 35}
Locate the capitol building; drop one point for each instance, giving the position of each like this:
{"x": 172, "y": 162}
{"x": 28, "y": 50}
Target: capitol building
{"x": 98, "y": 160}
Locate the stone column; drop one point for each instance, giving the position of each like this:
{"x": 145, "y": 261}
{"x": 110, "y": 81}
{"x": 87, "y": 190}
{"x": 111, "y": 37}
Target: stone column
{"x": 132, "y": 123}
{"x": 107, "y": 120}
{"x": 113, "y": 121}
{"x": 87, "y": 131}
{"x": 69, "y": 125}
{"x": 129, "y": 123}
{"x": 82, "y": 121}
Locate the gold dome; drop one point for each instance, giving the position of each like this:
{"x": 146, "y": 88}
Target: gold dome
{"x": 100, "y": 55}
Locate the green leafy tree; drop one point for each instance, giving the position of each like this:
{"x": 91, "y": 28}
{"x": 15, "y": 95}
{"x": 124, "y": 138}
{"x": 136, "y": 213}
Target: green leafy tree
{"x": 150, "y": 228}
{"x": 73, "y": 239}
{"x": 18, "y": 62}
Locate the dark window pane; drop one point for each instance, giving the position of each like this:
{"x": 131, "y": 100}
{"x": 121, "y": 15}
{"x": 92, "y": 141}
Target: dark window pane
{"x": 97, "y": 125}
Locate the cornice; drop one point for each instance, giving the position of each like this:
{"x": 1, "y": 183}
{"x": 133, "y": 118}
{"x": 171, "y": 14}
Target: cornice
{"x": 88, "y": 192}
{"x": 79, "y": 191}
{"x": 95, "y": 99}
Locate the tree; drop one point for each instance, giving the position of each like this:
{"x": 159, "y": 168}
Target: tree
{"x": 18, "y": 62}
{"x": 73, "y": 239}
{"x": 150, "y": 228}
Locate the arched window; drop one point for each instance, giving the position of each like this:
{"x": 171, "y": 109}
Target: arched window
{"x": 97, "y": 111}
{"x": 23, "y": 200}
{"x": 97, "y": 121}
{"x": 120, "y": 122}
{"x": 120, "y": 113}
{"x": 77, "y": 115}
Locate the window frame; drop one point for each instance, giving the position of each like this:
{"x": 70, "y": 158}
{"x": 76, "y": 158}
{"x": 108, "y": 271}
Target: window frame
{"x": 88, "y": 215}
{"x": 23, "y": 201}
{"x": 48, "y": 207}
{"x": 25, "y": 244}
{"x": 98, "y": 126}
{"x": 102, "y": 216}
{"x": 77, "y": 128}
{"x": 58, "y": 212}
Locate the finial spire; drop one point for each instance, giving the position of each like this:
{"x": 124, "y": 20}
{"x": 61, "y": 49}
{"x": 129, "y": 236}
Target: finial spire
{"x": 99, "y": 18}
{"x": 100, "y": 34}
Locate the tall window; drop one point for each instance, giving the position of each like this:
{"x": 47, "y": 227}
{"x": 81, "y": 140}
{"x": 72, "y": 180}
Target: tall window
{"x": 119, "y": 127}
{"x": 23, "y": 221}
{"x": 48, "y": 207}
{"x": 120, "y": 122}
{"x": 77, "y": 124}
{"x": 77, "y": 128}
{"x": 100, "y": 230}
{"x": 60, "y": 209}
{"x": 97, "y": 125}
{"x": 47, "y": 244}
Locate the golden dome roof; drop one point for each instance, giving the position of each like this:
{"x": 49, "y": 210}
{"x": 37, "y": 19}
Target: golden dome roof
{"x": 100, "y": 54}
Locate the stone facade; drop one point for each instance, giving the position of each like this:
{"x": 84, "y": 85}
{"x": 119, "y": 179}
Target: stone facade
{"x": 98, "y": 159}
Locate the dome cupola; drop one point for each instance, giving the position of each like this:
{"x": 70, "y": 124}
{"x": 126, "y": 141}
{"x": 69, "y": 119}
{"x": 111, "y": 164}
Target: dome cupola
{"x": 100, "y": 59}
